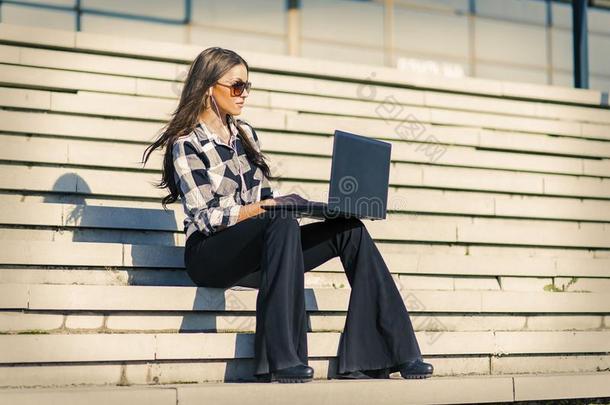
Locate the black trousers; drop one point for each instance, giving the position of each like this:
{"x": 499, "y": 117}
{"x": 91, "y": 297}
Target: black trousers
{"x": 271, "y": 252}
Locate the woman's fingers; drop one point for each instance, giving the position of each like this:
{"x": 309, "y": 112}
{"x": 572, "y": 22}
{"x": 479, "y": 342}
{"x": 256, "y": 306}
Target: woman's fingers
{"x": 290, "y": 199}
{"x": 268, "y": 202}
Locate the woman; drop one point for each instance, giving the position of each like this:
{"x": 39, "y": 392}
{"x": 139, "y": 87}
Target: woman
{"x": 213, "y": 162}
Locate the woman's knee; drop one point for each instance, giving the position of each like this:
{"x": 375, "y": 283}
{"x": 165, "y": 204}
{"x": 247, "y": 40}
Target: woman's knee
{"x": 355, "y": 221}
{"x": 355, "y": 226}
{"x": 350, "y": 222}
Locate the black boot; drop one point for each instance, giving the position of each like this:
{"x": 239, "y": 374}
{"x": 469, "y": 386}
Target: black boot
{"x": 294, "y": 374}
{"x": 364, "y": 374}
{"x": 416, "y": 369}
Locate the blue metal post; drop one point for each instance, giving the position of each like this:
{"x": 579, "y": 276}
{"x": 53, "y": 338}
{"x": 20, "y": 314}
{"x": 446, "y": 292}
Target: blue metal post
{"x": 580, "y": 40}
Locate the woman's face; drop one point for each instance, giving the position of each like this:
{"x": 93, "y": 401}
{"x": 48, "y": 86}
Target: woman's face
{"x": 222, "y": 94}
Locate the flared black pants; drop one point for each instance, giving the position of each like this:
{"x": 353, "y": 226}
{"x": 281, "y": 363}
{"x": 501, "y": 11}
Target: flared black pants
{"x": 271, "y": 252}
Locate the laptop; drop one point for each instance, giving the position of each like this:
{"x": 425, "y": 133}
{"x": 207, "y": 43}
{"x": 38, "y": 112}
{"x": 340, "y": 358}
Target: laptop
{"x": 359, "y": 179}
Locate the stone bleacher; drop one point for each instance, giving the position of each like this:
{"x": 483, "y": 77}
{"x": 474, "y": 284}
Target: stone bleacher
{"x": 498, "y": 232}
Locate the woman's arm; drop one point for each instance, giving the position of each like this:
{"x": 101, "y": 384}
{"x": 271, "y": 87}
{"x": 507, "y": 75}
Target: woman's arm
{"x": 253, "y": 209}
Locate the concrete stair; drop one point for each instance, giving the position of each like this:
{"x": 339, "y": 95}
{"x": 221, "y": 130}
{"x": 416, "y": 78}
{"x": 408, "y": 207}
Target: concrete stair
{"x": 497, "y": 236}
{"x": 438, "y": 390}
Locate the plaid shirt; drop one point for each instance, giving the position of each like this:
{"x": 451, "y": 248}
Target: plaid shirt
{"x": 216, "y": 179}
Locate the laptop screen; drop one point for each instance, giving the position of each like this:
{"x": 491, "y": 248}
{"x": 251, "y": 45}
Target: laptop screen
{"x": 360, "y": 173}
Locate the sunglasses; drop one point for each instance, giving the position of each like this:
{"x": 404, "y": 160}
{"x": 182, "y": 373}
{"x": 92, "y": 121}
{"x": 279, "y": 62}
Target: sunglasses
{"x": 238, "y": 87}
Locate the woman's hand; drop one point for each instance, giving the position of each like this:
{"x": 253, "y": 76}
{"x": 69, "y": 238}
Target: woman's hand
{"x": 290, "y": 199}
{"x": 267, "y": 202}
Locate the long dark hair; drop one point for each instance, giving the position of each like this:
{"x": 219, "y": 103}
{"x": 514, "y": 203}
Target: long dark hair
{"x": 209, "y": 66}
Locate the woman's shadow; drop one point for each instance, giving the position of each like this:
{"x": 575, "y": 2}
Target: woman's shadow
{"x": 150, "y": 252}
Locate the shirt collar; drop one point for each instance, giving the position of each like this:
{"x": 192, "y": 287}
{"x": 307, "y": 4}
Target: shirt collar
{"x": 213, "y": 136}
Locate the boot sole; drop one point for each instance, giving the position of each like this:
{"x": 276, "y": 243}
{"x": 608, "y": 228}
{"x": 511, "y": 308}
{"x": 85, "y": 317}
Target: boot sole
{"x": 285, "y": 379}
{"x": 294, "y": 379}
{"x": 415, "y": 376}
{"x": 353, "y": 378}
